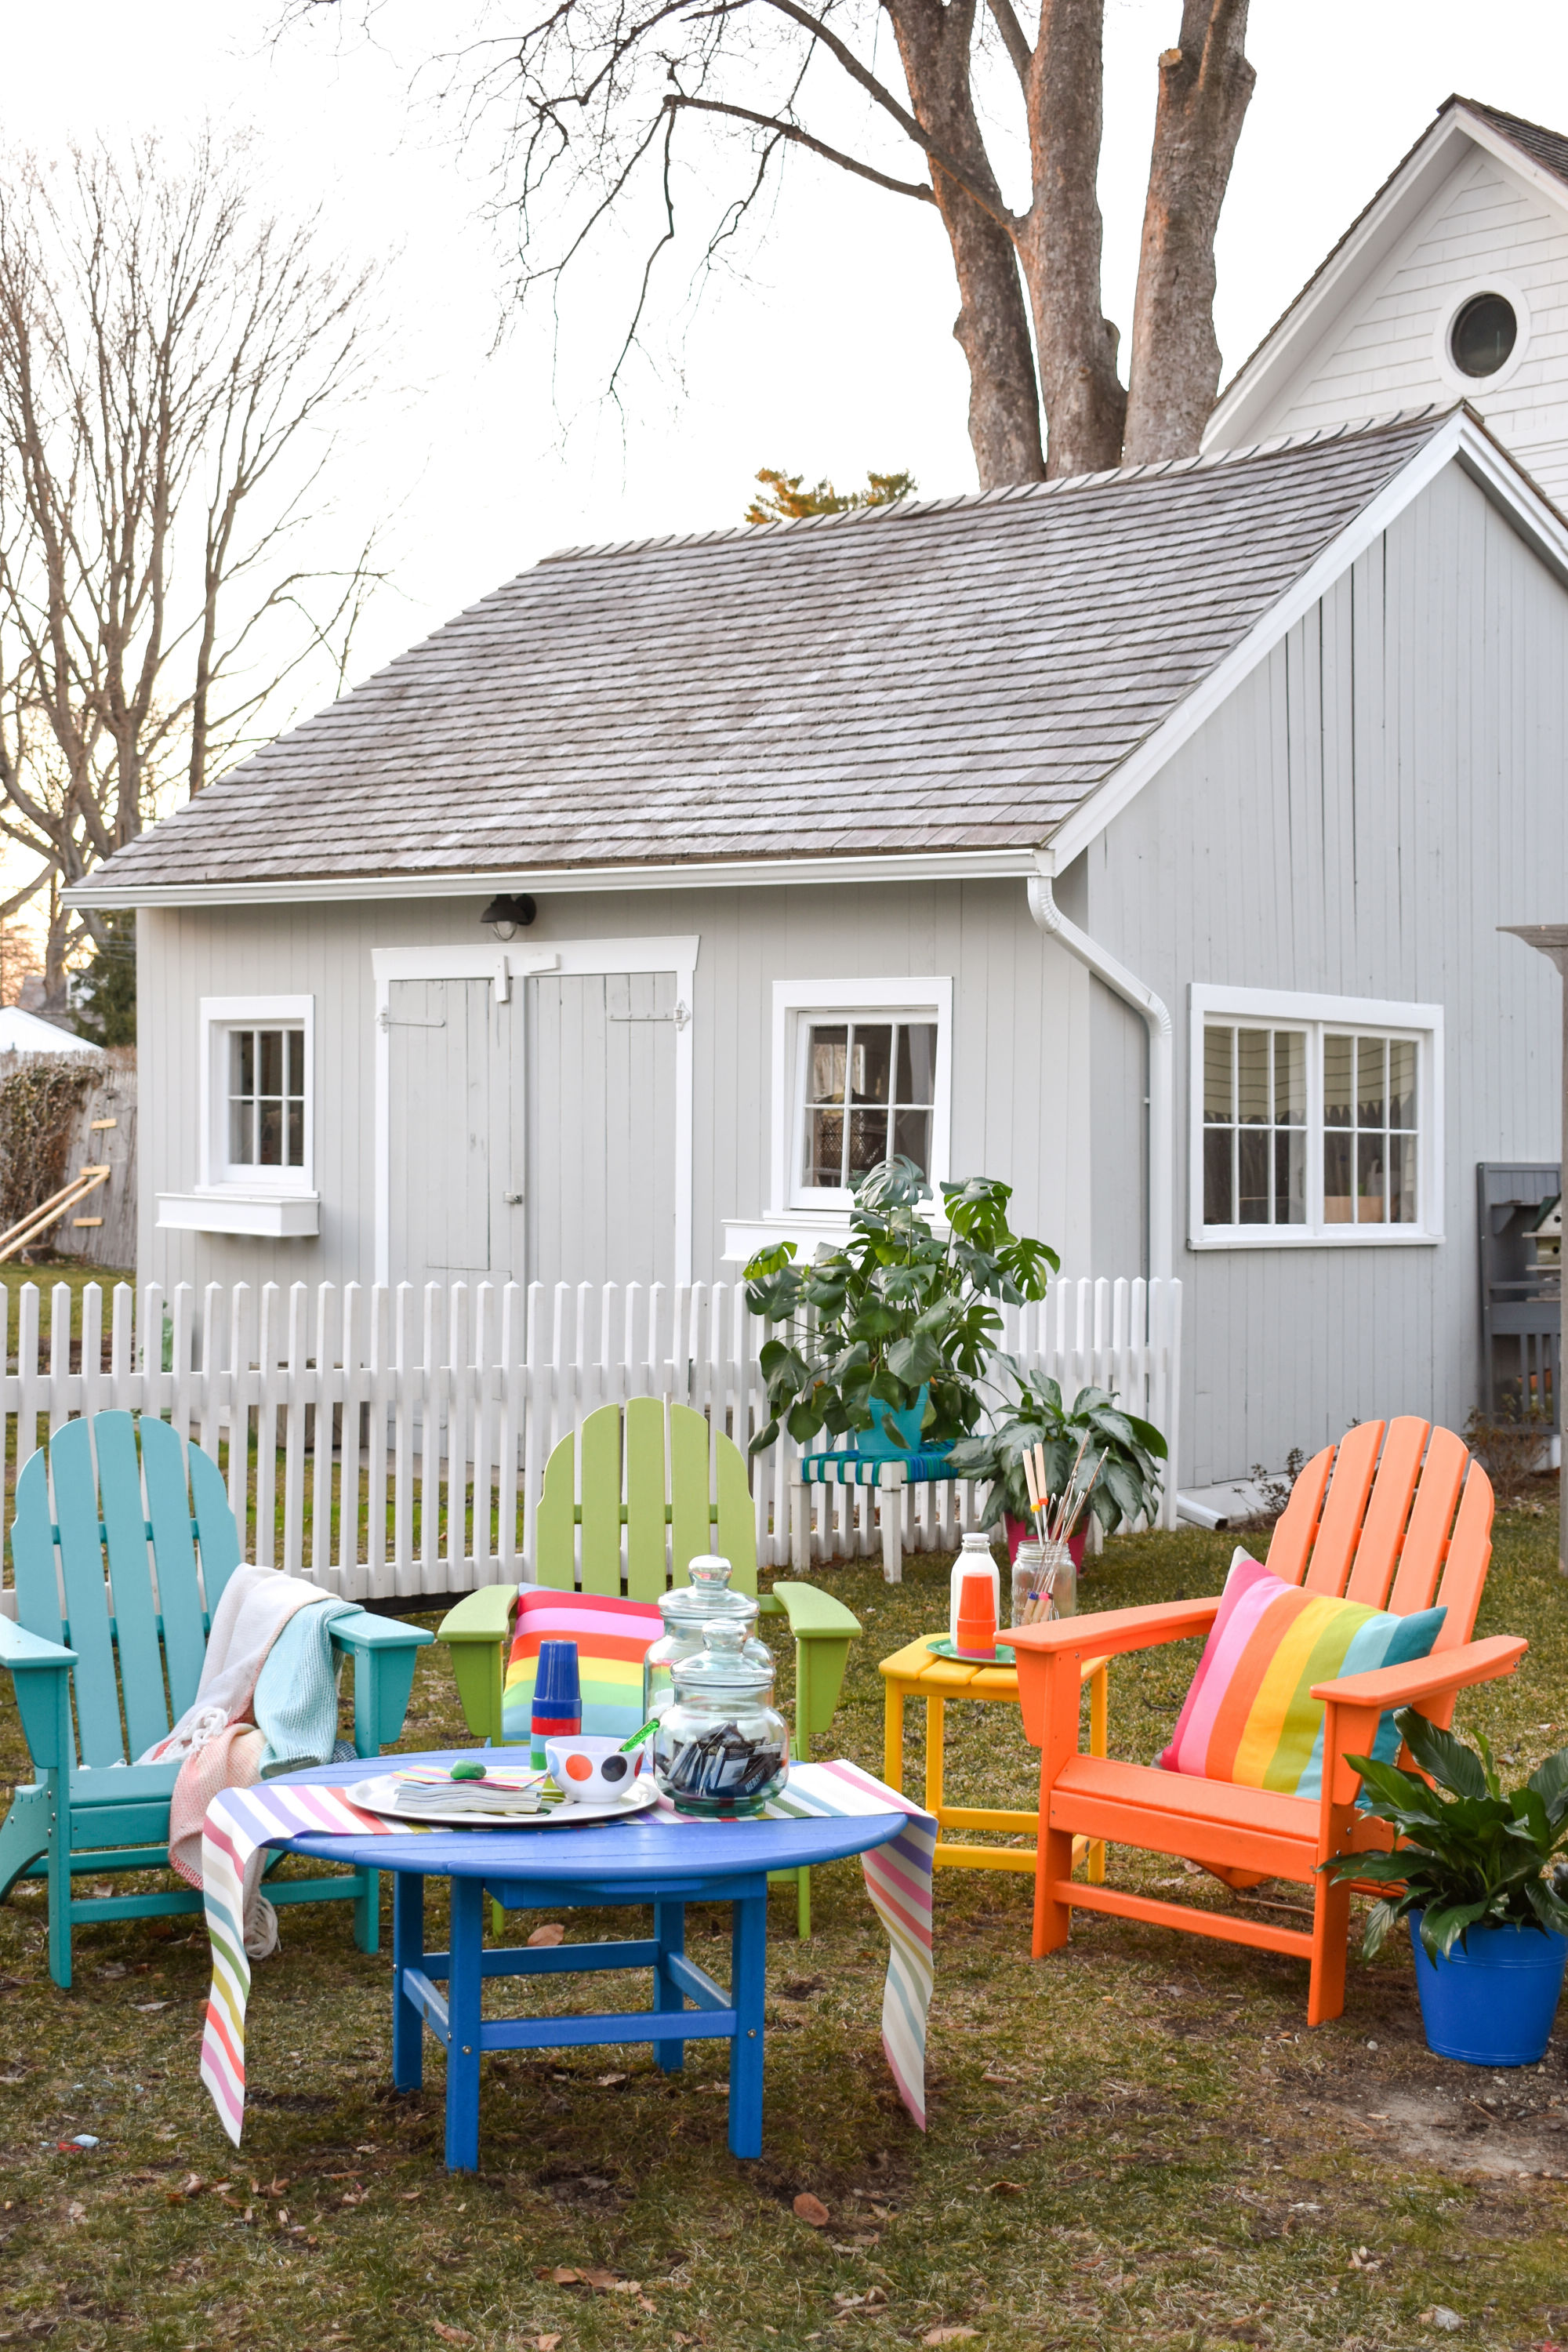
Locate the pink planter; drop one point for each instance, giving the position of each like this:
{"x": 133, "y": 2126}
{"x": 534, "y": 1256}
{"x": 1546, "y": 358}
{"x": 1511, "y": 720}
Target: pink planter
{"x": 1018, "y": 1529}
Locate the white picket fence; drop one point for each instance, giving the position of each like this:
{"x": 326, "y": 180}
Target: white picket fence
{"x": 443, "y": 1405}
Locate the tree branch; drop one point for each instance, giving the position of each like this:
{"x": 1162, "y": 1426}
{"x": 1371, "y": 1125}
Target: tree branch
{"x": 678, "y": 102}
{"x": 1014, "y": 40}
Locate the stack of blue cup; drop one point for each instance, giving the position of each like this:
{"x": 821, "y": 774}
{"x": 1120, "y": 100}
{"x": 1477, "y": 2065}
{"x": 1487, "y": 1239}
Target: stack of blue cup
{"x": 557, "y": 1698}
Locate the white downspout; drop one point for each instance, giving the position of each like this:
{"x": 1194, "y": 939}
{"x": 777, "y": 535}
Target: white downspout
{"x": 1162, "y": 1061}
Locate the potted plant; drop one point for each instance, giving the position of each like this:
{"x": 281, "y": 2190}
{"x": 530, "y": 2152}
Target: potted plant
{"x": 1480, "y": 1877}
{"x": 1117, "y": 1455}
{"x": 889, "y": 1333}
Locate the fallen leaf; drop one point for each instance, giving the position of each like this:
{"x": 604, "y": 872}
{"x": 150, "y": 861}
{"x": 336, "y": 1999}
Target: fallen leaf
{"x": 1005, "y": 2188}
{"x": 551, "y": 1933}
{"x": 607, "y": 2082}
{"x": 811, "y": 2209}
{"x": 546, "y": 2342}
{"x": 605, "y": 2280}
{"x": 949, "y": 2334}
{"x": 853, "y": 2245}
{"x": 561, "y": 2276}
{"x": 451, "y": 2335}
{"x": 76, "y": 2210}
{"x": 147, "y": 2006}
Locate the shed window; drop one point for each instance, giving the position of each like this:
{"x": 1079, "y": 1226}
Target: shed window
{"x": 267, "y": 1097}
{"x": 870, "y": 1089}
{"x": 1313, "y": 1125}
{"x": 259, "y": 1121}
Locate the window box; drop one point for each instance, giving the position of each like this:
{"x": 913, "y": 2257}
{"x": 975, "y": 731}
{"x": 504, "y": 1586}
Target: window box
{"x": 225, "y": 1208}
{"x": 1315, "y": 1120}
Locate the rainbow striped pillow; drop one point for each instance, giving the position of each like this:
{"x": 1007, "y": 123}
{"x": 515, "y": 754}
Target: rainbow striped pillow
{"x": 612, "y": 1638}
{"x": 1250, "y": 1716}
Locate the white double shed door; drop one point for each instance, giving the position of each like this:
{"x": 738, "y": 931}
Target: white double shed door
{"x": 534, "y": 1112}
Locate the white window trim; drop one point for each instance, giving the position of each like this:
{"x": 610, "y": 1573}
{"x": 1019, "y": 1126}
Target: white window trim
{"x": 1472, "y": 387}
{"x": 1279, "y": 1008}
{"x": 276, "y": 1203}
{"x": 502, "y": 965}
{"x": 825, "y": 1215}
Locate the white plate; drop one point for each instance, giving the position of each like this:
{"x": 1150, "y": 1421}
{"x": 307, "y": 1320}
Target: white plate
{"x": 383, "y": 1796}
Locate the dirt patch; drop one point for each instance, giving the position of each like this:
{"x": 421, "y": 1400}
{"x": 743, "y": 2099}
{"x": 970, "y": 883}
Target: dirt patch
{"x": 1462, "y": 2133}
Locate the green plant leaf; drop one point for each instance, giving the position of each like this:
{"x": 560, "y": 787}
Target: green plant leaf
{"x": 1441, "y": 1930}
{"x": 1451, "y": 1764}
{"x": 1550, "y": 1782}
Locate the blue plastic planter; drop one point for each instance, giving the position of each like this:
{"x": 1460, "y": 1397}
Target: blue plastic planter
{"x": 1492, "y": 2001}
{"x": 874, "y": 1445}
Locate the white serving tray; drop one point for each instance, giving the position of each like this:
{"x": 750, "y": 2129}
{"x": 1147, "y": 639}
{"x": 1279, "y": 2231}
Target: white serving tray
{"x": 383, "y": 1796}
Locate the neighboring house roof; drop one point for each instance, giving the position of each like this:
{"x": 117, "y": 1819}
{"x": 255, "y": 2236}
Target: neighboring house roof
{"x": 1369, "y": 239}
{"x": 23, "y": 1033}
{"x": 954, "y": 676}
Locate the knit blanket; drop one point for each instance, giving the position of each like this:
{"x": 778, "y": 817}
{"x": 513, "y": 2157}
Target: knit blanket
{"x": 898, "y": 1878}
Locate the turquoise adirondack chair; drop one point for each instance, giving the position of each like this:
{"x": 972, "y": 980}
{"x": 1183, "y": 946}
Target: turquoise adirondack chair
{"x": 615, "y": 1480}
{"x": 111, "y": 1647}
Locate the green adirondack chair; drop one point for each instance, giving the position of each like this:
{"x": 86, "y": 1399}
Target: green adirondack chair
{"x": 669, "y": 1503}
{"x": 88, "y": 1810}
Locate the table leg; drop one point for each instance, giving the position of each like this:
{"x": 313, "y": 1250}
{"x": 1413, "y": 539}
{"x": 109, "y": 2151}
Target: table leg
{"x": 893, "y": 1734}
{"x": 463, "y": 1988}
{"x": 934, "y": 1725}
{"x": 407, "y": 1952}
{"x": 669, "y": 1934}
{"x": 748, "y": 1986}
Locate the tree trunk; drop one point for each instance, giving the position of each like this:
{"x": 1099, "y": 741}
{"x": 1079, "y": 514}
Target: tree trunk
{"x": 993, "y": 323}
{"x": 1059, "y": 242}
{"x": 1204, "y": 87}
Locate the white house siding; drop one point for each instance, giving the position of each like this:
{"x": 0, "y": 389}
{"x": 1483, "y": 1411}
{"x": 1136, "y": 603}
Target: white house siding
{"x": 1020, "y": 1070}
{"x": 1381, "y": 794}
{"x": 1379, "y": 355}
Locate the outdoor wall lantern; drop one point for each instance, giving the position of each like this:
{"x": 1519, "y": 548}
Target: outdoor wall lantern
{"x": 508, "y": 915}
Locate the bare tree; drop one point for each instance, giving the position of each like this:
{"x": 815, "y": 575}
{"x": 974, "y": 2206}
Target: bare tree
{"x": 593, "y": 94}
{"x": 174, "y": 368}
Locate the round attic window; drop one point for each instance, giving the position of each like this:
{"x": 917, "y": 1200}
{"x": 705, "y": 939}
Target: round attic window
{"x": 1483, "y": 335}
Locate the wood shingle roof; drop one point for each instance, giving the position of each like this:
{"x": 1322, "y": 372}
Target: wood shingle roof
{"x": 948, "y": 676}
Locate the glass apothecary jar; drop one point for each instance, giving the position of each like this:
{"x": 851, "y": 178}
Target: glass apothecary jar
{"x": 686, "y": 1612}
{"x": 720, "y": 1745}
{"x": 1044, "y": 1582}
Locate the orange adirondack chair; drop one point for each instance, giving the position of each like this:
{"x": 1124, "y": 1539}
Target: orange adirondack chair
{"x": 1418, "y": 1530}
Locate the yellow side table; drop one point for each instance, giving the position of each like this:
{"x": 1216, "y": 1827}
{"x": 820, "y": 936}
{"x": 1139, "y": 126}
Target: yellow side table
{"x": 916, "y": 1673}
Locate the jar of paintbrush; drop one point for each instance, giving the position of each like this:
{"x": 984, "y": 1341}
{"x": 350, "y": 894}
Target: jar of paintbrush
{"x": 1045, "y": 1575}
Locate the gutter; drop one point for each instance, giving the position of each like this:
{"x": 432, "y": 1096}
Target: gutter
{"x": 1156, "y": 1019}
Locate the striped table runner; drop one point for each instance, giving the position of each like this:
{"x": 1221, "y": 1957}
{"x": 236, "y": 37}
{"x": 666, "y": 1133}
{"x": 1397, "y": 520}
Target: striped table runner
{"x": 898, "y": 1880}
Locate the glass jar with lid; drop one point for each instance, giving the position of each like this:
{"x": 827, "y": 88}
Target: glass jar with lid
{"x": 720, "y": 1745}
{"x": 686, "y": 1611}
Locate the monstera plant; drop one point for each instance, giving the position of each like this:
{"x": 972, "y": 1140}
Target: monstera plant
{"x": 900, "y": 1318}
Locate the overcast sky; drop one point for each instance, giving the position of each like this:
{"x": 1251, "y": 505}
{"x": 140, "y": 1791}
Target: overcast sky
{"x": 834, "y": 356}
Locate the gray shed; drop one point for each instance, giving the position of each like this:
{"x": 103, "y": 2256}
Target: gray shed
{"x": 1141, "y": 839}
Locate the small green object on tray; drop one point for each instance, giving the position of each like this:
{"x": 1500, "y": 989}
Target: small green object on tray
{"x": 468, "y": 1771}
{"x": 941, "y": 1647}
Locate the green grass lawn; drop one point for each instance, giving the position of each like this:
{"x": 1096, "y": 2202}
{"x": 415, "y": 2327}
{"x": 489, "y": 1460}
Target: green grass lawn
{"x": 1134, "y": 2142}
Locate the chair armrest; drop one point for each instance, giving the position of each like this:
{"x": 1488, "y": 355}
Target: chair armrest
{"x": 384, "y": 1652}
{"x": 41, "y": 1673}
{"x": 1407, "y": 1685}
{"x": 823, "y": 1630}
{"x": 483, "y": 1616}
{"x": 1110, "y": 1633}
{"x": 478, "y": 1631}
{"x": 1354, "y": 1704}
{"x": 811, "y": 1611}
{"x": 21, "y": 1650}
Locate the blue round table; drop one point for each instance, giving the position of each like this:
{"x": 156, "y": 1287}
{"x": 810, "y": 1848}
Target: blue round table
{"x": 666, "y": 1865}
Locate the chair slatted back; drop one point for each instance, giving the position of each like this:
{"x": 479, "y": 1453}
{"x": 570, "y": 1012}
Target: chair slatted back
{"x": 660, "y": 1476}
{"x": 91, "y": 1541}
{"x": 1397, "y": 1529}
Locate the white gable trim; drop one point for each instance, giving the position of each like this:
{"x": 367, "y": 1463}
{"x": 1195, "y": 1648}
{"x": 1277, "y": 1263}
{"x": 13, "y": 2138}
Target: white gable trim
{"x": 1390, "y": 220}
{"x": 1460, "y": 440}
